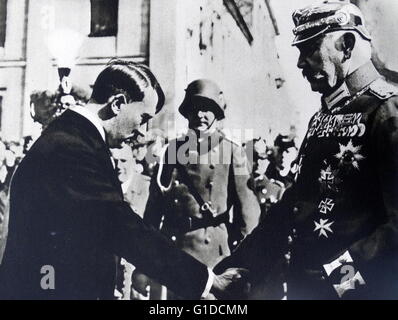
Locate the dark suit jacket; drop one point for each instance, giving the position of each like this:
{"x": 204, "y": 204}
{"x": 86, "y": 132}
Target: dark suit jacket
{"x": 67, "y": 211}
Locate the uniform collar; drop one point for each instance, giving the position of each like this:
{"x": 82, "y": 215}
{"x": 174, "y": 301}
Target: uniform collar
{"x": 354, "y": 83}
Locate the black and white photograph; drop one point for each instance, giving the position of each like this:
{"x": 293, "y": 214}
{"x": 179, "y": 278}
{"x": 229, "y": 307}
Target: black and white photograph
{"x": 200, "y": 150}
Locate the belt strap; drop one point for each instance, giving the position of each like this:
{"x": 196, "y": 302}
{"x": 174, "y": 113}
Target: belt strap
{"x": 205, "y": 207}
{"x": 193, "y": 223}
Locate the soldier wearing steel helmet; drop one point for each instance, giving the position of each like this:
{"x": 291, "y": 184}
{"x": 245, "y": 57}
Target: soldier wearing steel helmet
{"x": 340, "y": 217}
{"x": 202, "y": 187}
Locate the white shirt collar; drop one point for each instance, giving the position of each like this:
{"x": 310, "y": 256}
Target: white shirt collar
{"x": 90, "y": 117}
{"x": 126, "y": 185}
{"x": 95, "y": 121}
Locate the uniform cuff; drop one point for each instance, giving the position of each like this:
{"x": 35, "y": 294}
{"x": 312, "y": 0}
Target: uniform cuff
{"x": 209, "y": 283}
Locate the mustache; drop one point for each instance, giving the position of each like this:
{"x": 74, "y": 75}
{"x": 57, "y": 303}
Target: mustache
{"x": 309, "y": 74}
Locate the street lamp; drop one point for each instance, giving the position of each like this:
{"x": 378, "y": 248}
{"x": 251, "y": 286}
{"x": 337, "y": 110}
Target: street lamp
{"x": 64, "y": 45}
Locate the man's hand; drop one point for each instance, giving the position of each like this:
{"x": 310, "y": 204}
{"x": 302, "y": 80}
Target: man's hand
{"x": 231, "y": 284}
{"x": 141, "y": 283}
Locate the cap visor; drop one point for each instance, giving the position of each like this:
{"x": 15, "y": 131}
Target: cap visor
{"x": 301, "y": 38}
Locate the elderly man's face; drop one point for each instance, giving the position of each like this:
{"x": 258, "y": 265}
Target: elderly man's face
{"x": 322, "y": 63}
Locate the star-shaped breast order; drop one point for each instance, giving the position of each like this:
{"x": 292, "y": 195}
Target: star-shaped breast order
{"x": 349, "y": 155}
{"x": 323, "y": 226}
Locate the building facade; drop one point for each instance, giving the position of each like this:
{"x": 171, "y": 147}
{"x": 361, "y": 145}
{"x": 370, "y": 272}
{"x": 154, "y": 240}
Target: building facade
{"x": 233, "y": 42}
{"x": 110, "y": 28}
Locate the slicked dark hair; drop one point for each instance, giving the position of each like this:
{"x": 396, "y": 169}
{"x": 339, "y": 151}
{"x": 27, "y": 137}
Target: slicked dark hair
{"x": 128, "y": 78}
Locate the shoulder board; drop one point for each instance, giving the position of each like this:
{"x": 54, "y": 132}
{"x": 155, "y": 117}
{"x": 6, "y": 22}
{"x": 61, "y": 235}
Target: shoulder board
{"x": 382, "y": 89}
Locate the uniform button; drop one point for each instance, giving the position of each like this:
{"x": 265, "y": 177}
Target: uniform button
{"x": 264, "y": 191}
{"x": 295, "y": 209}
{"x": 212, "y": 167}
{"x": 175, "y": 201}
{"x": 173, "y": 238}
{"x": 176, "y": 182}
{"x": 263, "y": 200}
{"x": 288, "y": 256}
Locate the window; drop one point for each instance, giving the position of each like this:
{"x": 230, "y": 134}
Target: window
{"x": 3, "y": 22}
{"x": 104, "y": 18}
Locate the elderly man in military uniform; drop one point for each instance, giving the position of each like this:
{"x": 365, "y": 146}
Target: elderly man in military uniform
{"x": 201, "y": 195}
{"x": 341, "y": 215}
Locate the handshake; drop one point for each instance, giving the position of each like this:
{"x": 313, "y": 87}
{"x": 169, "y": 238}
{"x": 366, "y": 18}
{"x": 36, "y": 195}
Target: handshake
{"x": 231, "y": 284}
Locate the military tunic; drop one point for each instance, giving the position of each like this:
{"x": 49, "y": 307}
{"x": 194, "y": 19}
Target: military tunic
{"x": 219, "y": 171}
{"x": 341, "y": 215}
{"x": 346, "y": 191}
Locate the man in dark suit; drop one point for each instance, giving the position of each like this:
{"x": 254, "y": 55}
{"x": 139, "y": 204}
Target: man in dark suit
{"x": 68, "y": 220}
